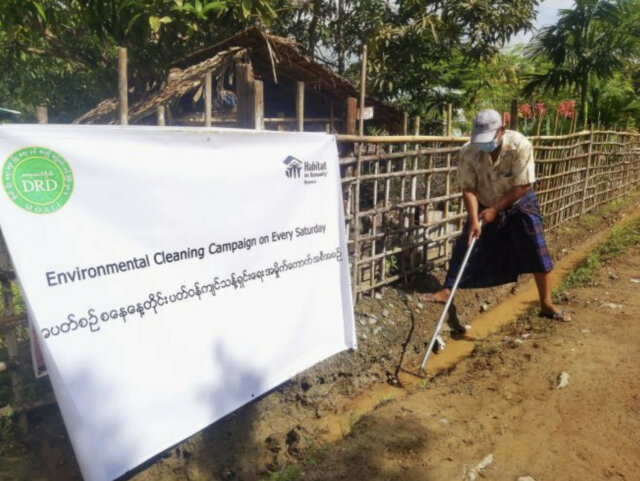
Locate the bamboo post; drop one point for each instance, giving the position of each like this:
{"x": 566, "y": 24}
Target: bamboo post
{"x": 414, "y": 190}
{"x": 586, "y": 175}
{"x": 300, "y": 106}
{"x": 244, "y": 79}
{"x": 405, "y": 127}
{"x": 539, "y": 126}
{"x": 406, "y": 237}
{"x": 374, "y": 218}
{"x": 387, "y": 203}
{"x": 447, "y": 193}
{"x": 352, "y": 200}
{"x": 356, "y": 224}
{"x": 350, "y": 121}
{"x": 387, "y": 187}
{"x": 160, "y": 115}
{"x": 170, "y": 118}
{"x": 332, "y": 127}
{"x": 356, "y": 235}
{"x": 207, "y": 99}
{"x": 363, "y": 88}
{"x": 42, "y": 116}
{"x": 123, "y": 88}
{"x": 514, "y": 115}
{"x": 449, "y": 119}
{"x": 258, "y": 105}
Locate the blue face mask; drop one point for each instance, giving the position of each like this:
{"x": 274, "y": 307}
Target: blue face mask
{"x": 489, "y": 147}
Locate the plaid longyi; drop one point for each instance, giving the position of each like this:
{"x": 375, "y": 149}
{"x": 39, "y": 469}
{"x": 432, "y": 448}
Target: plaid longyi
{"x": 513, "y": 244}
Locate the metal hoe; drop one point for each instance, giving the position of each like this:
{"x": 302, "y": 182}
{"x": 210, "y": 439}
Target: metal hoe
{"x": 448, "y": 304}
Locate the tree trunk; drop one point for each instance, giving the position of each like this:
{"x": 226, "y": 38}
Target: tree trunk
{"x": 584, "y": 91}
{"x": 313, "y": 28}
{"x": 339, "y": 40}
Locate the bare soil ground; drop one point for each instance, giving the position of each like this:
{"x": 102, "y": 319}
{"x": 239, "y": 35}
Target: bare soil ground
{"x": 504, "y": 401}
{"x": 347, "y": 418}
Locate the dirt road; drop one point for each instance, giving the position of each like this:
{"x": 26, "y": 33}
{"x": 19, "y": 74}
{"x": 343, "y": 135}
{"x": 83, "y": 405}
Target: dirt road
{"x": 504, "y": 401}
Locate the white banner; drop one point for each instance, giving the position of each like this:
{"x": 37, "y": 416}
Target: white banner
{"x": 172, "y": 274}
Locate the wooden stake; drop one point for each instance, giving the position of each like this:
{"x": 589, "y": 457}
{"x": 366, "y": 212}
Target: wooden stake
{"x": 332, "y": 127}
{"x": 406, "y": 239}
{"x": 449, "y": 119}
{"x": 42, "y": 115}
{"x": 539, "y": 124}
{"x": 258, "y": 105}
{"x": 207, "y": 99}
{"x": 300, "y": 106}
{"x": 414, "y": 194}
{"x": 123, "y": 87}
{"x": 356, "y": 224}
{"x": 363, "y": 88}
{"x": 586, "y": 173}
{"x": 244, "y": 79}
{"x": 352, "y": 108}
{"x": 160, "y": 115}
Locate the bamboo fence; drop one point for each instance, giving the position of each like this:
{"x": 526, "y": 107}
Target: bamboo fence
{"x": 404, "y": 209}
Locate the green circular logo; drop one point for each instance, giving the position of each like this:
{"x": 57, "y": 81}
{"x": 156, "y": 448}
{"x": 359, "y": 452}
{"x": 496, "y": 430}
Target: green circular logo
{"x": 38, "y": 180}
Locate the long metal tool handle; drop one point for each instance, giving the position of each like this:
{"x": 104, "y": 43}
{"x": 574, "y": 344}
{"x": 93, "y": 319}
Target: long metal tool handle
{"x": 449, "y": 301}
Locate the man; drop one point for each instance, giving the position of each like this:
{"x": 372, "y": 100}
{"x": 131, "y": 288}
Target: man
{"x": 496, "y": 172}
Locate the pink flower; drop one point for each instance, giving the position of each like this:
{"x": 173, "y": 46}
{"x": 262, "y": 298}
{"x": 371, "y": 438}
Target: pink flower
{"x": 540, "y": 109}
{"x": 525, "y": 110}
{"x": 567, "y": 108}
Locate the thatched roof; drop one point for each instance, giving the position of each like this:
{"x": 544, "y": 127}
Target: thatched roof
{"x": 178, "y": 85}
{"x": 272, "y": 57}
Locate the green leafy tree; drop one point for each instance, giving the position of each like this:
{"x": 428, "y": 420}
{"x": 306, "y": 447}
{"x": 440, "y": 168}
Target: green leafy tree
{"x": 615, "y": 102}
{"x": 61, "y": 48}
{"x": 437, "y": 50}
{"x": 419, "y": 51}
{"x": 588, "y": 44}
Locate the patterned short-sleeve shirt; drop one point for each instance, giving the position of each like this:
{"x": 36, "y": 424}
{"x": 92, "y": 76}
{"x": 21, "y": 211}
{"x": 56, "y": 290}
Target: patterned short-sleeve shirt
{"x": 492, "y": 180}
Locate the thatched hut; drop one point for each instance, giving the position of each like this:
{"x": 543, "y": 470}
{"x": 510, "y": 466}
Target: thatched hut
{"x": 258, "y": 81}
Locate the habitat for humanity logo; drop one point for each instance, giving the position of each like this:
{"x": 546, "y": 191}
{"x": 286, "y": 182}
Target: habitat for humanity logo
{"x": 37, "y": 180}
{"x": 310, "y": 171}
{"x": 294, "y": 167}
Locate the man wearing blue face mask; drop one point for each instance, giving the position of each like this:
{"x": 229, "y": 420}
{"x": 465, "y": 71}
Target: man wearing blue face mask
{"x": 496, "y": 172}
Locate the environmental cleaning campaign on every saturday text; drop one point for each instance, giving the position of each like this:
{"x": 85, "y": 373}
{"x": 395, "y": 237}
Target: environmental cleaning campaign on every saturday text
{"x": 156, "y": 300}
{"x": 55, "y": 278}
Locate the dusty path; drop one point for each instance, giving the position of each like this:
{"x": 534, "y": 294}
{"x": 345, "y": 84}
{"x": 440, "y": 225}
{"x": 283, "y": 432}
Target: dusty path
{"x": 503, "y": 401}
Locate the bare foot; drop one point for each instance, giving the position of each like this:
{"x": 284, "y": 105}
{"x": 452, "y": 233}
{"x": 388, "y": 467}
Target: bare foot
{"x": 554, "y": 313}
{"x": 439, "y": 297}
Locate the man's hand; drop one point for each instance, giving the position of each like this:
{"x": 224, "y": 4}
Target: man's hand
{"x": 475, "y": 229}
{"x": 489, "y": 214}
